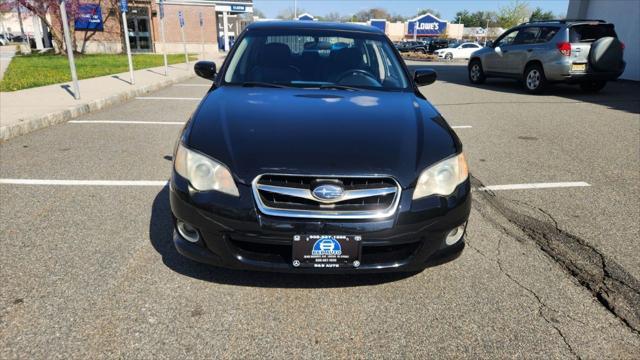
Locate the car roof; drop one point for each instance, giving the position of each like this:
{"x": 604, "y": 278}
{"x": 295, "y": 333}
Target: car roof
{"x": 313, "y": 25}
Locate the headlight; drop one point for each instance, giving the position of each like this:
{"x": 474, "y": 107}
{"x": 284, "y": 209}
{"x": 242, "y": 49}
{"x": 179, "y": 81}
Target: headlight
{"x": 442, "y": 178}
{"x": 204, "y": 173}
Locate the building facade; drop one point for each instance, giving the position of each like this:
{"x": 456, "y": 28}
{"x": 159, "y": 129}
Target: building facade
{"x": 625, "y": 15}
{"x": 210, "y": 22}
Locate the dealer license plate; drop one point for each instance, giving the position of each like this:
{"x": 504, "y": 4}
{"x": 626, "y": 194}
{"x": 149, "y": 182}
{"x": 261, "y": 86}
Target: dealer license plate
{"x": 326, "y": 251}
{"x": 578, "y": 67}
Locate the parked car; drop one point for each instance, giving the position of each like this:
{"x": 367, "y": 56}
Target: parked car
{"x": 437, "y": 44}
{"x": 584, "y": 52}
{"x": 318, "y": 161}
{"x": 3, "y": 40}
{"x": 413, "y": 46}
{"x": 462, "y": 51}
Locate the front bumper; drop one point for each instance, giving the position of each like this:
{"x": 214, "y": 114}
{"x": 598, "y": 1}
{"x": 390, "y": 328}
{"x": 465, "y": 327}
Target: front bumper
{"x": 234, "y": 234}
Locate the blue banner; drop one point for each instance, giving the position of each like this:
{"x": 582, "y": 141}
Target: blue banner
{"x": 124, "y": 7}
{"x": 89, "y": 17}
{"x": 427, "y": 25}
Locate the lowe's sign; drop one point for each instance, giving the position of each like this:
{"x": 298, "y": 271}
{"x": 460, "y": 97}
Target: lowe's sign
{"x": 426, "y": 25}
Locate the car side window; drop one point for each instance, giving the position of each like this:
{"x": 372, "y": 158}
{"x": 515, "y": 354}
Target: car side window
{"x": 468, "y": 46}
{"x": 546, "y": 34}
{"x": 527, "y": 35}
{"x": 507, "y": 39}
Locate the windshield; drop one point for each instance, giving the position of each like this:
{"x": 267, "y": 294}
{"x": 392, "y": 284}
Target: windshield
{"x": 315, "y": 59}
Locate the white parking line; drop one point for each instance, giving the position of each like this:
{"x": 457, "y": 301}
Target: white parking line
{"x": 126, "y": 122}
{"x": 196, "y": 85}
{"x": 462, "y": 127}
{"x": 166, "y": 98}
{"x": 84, "y": 182}
{"x": 534, "y": 186}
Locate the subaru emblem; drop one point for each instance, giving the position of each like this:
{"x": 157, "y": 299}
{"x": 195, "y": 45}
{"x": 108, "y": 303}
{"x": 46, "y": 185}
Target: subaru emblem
{"x": 328, "y": 192}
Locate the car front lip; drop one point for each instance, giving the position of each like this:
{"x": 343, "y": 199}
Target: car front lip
{"x": 232, "y": 229}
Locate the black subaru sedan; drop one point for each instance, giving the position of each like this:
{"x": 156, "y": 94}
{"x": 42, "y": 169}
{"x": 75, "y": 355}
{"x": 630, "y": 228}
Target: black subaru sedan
{"x": 314, "y": 151}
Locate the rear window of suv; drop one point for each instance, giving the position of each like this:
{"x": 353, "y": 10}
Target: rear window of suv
{"x": 590, "y": 33}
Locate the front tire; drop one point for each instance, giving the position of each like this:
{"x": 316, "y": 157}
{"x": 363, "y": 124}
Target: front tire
{"x": 534, "y": 79}
{"x": 476, "y": 74}
{"x": 592, "y": 86}
{"x": 448, "y": 56}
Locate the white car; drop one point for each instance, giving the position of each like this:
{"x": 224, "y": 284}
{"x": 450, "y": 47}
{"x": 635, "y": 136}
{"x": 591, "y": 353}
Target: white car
{"x": 462, "y": 51}
{"x": 3, "y": 40}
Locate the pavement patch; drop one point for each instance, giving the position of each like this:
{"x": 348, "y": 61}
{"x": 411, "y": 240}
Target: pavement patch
{"x": 612, "y": 286}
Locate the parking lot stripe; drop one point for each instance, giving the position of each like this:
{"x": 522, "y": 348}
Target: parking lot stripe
{"x": 462, "y": 127}
{"x": 166, "y": 98}
{"x": 203, "y": 85}
{"x": 534, "y": 186}
{"x": 84, "y": 182}
{"x": 126, "y": 122}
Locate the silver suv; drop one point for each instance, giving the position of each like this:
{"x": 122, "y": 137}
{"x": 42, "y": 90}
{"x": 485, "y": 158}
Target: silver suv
{"x": 584, "y": 52}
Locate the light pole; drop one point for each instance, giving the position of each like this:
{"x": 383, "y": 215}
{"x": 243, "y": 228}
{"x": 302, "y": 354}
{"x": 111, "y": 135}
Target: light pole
{"x": 67, "y": 39}
{"x": 184, "y": 42}
{"x": 164, "y": 42}
{"x": 486, "y": 33}
{"x": 202, "y": 33}
{"x": 123, "y": 9}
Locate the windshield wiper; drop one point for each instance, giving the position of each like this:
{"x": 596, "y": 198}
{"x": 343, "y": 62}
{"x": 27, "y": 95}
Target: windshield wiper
{"x": 339, "y": 87}
{"x": 262, "y": 84}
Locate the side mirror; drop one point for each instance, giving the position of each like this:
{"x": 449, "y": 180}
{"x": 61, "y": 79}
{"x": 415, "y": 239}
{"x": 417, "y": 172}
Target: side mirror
{"x": 205, "y": 69}
{"x": 424, "y": 77}
{"x": 497, "y": 49}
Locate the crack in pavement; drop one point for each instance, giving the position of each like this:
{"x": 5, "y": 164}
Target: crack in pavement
{"x": 541, "y": 304}
{"x": 614, "y": 288}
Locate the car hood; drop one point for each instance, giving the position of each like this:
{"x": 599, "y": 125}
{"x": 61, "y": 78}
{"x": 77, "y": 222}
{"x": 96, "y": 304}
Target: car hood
{"x": 320, "y": 132}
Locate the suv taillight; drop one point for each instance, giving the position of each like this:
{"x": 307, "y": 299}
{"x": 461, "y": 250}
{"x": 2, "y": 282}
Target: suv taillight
{"x": 564, "y": 48}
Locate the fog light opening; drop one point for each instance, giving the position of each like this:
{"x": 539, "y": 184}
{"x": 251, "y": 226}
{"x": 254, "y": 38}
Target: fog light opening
{"x": 454, "y": 235}
{"x": 188, "y": 232}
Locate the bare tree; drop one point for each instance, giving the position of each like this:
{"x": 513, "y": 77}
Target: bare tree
{"x": 433, "y": 12}
{"x": 289, "y": 13}
{"x": 513, "y": 14}
{"x": 41, "y": 8}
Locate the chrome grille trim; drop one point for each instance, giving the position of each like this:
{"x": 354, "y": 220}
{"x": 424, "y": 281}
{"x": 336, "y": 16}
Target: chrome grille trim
{"x": 327, "y": 213}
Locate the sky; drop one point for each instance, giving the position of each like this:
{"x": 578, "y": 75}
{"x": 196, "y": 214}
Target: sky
{"x": 447, "y": 8}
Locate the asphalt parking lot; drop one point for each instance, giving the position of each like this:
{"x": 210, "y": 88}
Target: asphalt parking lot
{"x": 89, "y": 270}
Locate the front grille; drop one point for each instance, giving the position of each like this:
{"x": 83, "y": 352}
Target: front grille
{"x": 293, "y": 196}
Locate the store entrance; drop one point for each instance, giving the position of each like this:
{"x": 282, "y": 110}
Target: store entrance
{"x": 139, "y": 29}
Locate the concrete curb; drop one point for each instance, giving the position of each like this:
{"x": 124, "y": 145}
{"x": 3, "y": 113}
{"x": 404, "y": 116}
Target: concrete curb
{"x": 33, "y": 123}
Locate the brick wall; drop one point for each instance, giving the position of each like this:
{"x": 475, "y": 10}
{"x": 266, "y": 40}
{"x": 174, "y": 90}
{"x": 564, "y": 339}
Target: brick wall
{"x": 192, "y": 24}
{"x": 109, "y": 40}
